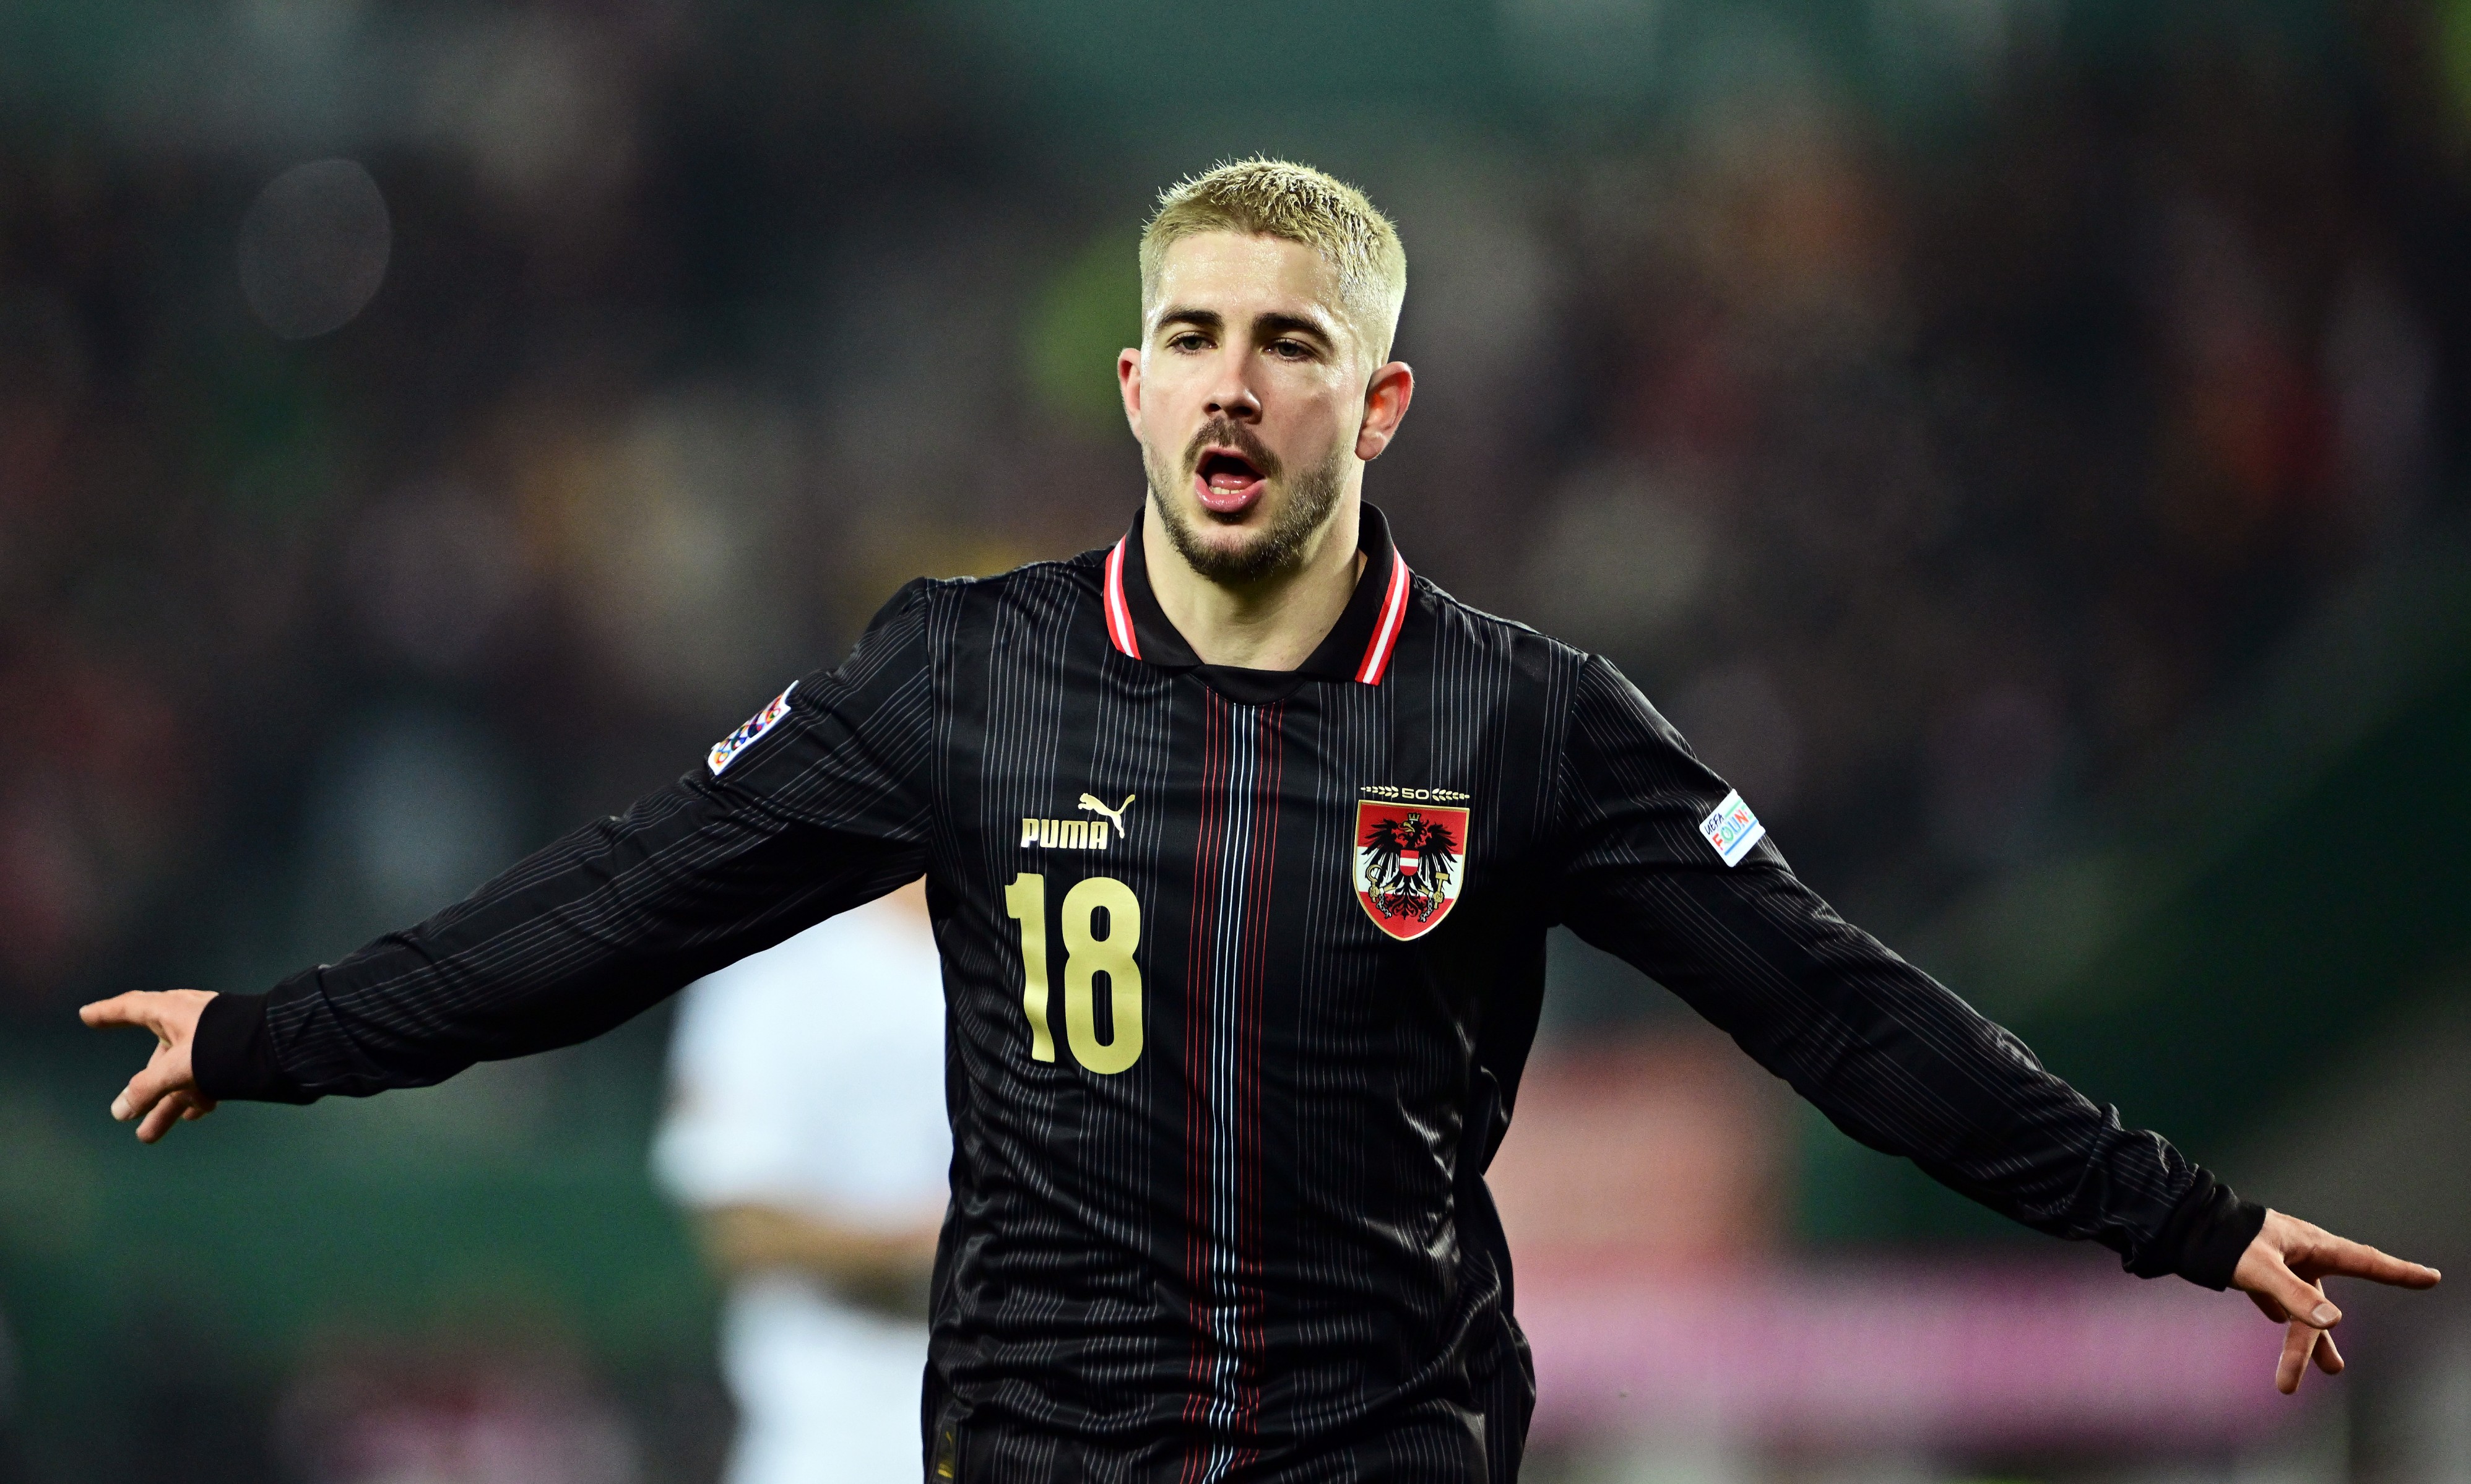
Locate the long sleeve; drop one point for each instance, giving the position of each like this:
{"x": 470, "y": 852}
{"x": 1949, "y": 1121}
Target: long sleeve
{"x": 1890, "y": 1057}
{"x": 827, "y": 805}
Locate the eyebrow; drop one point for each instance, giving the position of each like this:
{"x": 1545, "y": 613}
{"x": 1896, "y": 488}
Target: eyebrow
{"x": 1198, "y": 319}
{"x": 1285, "y": 324}
{"x": 1266, "y": 324}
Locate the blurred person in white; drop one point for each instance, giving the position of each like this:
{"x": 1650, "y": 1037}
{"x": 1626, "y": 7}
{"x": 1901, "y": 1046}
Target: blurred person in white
{"x": 807, "y": 1131}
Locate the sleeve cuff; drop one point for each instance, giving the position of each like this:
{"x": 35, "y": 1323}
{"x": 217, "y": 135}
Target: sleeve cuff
{"x": 233, "y": 1057}
{"x": 2204, "y": 1238}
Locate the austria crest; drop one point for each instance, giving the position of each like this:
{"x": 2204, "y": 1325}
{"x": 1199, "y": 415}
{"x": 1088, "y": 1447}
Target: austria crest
{"x": 1410, "y": 859}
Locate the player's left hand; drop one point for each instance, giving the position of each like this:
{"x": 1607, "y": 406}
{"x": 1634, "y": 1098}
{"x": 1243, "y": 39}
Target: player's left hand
{"x": 166, "y": 1092}
{"x": 2283, "y": 1271}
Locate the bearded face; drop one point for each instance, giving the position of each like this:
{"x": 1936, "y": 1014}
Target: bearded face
{"x": 1225, "y": 453}
{"x": 1249, "y": 397}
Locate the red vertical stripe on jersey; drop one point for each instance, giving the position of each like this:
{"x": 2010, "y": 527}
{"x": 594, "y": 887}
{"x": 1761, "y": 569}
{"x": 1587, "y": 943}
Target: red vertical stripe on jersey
{"x": 1270, "y": 759}
{"x": 1385, "y": 634}
{"x": 1208, "y": 848}
{"x": 1120, "y": 613}
{"x": 1227, "y": 972}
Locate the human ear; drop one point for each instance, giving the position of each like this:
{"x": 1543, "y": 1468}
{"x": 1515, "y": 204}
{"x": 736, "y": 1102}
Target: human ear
{"x": 1128, "y": 381}
{"x": 1385, "y": 405}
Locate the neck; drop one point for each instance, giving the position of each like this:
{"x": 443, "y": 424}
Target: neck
{"x": 1275, "y": 622}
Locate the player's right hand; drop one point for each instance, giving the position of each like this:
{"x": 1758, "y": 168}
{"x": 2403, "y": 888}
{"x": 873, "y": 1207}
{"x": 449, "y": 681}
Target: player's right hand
{"x": 166, "y": 1092}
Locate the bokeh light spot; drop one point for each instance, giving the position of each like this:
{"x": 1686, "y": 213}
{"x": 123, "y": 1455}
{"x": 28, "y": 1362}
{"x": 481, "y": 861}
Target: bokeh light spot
{"x": 314, "y": 247}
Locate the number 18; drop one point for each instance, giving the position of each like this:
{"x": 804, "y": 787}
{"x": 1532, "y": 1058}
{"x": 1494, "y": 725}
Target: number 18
{"x": 1086, "y": 955}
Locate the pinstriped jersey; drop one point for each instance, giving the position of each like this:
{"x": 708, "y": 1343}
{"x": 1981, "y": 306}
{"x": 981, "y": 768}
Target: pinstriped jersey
{"x": 1240, "y": 971}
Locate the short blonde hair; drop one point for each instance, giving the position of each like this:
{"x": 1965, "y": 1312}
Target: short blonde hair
{"x": 1267, "y": 198}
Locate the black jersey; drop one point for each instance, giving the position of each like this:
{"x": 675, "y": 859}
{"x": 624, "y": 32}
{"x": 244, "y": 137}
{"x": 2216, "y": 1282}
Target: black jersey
{"x": 1240, "y": 970}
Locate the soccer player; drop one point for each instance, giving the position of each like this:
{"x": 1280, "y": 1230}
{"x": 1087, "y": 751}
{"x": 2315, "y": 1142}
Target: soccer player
{"x": 1242, "y": 842}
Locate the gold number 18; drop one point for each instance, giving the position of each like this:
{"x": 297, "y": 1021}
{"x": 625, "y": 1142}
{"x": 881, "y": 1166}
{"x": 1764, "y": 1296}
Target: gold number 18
{"x": 1086, "y": 957}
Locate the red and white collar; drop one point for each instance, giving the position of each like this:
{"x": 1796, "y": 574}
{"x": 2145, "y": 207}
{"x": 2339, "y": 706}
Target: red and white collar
{"x": 1359, "y": 647}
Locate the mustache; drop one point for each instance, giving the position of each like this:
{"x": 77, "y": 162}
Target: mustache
{"x": 1226, "y": 432}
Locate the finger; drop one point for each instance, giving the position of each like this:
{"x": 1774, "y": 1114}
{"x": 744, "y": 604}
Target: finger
{"x": 137, "y": 1007}
{"x": 2304, "y": 1302}
{"x": 2298, "y": 1342}
{"x": 2328, "y": 1359}
{"x": 2340, "y": 1256}
{"x": 144, "y": 1091}
{"x": 199, "y": 1106}
{"x": 2270, "y": 1308}
{"x": 160, "y": 1118}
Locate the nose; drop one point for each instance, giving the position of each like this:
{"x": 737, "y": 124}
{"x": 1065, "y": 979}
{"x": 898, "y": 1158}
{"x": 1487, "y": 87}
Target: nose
{"x": 1231, "y": 390}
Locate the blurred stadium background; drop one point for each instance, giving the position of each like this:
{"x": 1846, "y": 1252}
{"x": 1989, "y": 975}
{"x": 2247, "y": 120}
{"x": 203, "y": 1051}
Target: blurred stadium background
{"x": 2020, "y": 441}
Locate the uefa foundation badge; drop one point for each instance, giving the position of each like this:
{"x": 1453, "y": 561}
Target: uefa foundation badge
{"x": 1410, "y": 860}
{"x": 1732, "y": 829}
{"x": 725, "y": 751}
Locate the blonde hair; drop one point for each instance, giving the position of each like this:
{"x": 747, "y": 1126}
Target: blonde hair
{"x": 1267, "y": 198}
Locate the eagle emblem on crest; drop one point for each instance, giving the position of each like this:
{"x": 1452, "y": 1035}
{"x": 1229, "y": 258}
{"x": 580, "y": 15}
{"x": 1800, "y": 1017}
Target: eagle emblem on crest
{"x": 1410, "y": 859}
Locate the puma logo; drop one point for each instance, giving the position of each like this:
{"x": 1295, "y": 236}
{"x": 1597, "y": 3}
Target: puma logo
{"x": 1078, "y": 834}
{"x": 1090, "y": 803}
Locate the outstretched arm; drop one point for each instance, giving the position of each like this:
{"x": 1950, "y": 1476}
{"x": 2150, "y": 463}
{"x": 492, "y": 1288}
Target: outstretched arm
{"x": 1888, "y": 1053}
{"x": 817, "y": 806}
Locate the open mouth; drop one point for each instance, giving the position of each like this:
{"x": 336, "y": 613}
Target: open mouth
{"x": 1227, "y": 481}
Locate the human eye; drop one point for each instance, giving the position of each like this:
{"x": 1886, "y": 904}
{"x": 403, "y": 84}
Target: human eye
{"x": 1289, "y": 348}
{"x": 1187, "y": 341}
